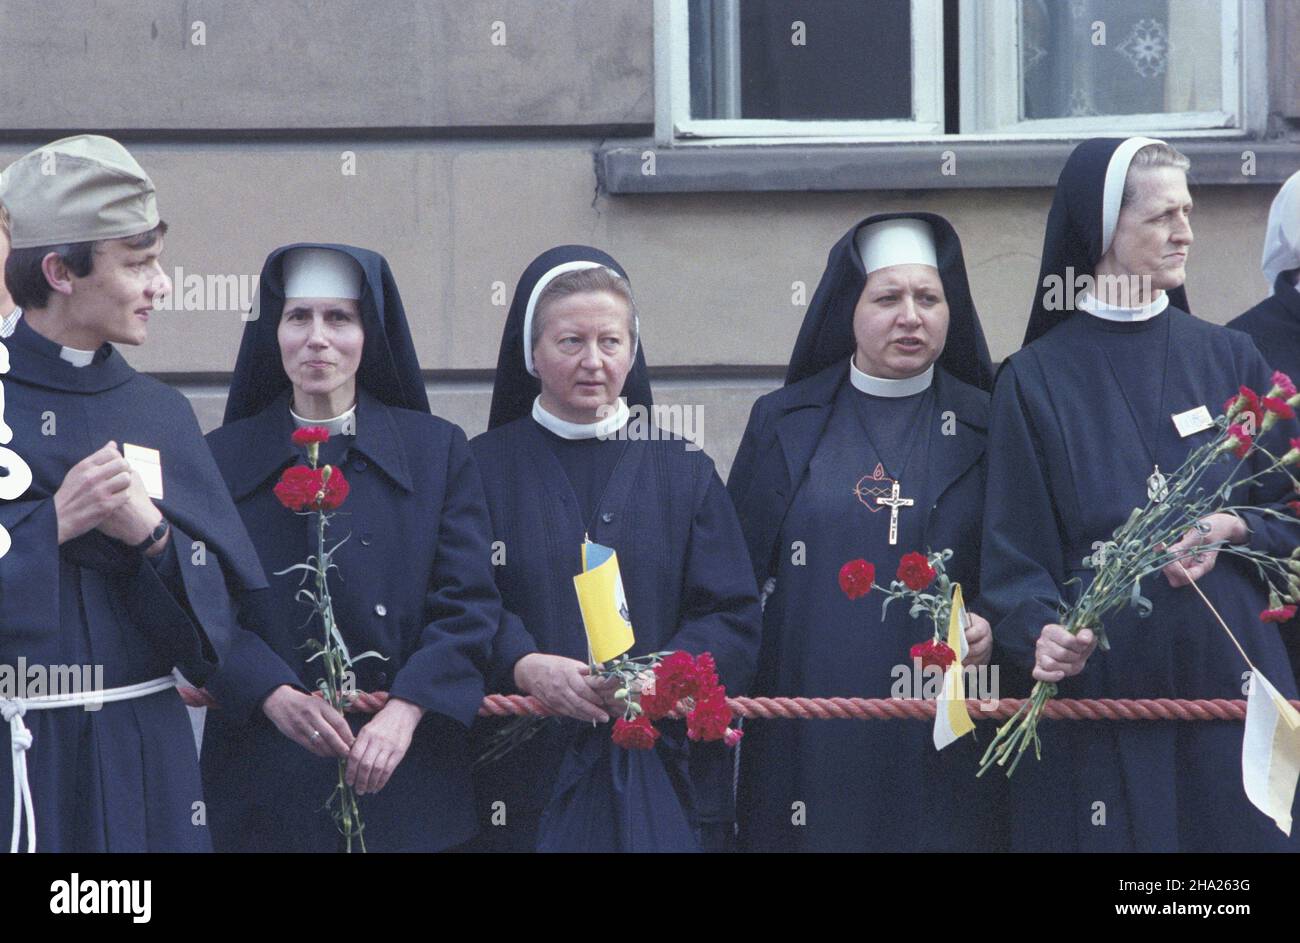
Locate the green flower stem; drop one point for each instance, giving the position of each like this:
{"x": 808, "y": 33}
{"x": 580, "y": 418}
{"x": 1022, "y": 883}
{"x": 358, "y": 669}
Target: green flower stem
{"x": 1158, "y": 524}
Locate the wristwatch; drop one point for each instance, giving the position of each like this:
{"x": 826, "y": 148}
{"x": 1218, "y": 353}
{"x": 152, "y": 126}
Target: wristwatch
{"x": 155, "y": 535}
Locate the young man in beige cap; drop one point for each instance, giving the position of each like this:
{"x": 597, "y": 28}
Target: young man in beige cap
{"x": 125, "y": 546}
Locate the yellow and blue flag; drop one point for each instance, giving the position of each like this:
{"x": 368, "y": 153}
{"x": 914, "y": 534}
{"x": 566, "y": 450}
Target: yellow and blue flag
{"x": 603, "y": 605}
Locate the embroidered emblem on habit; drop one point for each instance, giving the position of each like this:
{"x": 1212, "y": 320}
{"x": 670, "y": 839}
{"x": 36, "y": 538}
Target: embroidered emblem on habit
{"x": 875, "y": 485}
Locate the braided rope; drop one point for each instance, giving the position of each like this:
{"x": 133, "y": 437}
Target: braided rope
{"x": 862, "y": 708}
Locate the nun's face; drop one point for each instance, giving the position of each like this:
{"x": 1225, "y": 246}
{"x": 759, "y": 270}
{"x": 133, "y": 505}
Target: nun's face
{"x": 583, "y": 354}
{"x": 1153, "y": 232}
{"x": 901, "y": 321}
{"x": 320, "y": 345}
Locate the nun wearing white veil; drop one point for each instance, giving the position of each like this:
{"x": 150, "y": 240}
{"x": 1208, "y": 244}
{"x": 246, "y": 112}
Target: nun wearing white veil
{"x": 1081, "y": 416}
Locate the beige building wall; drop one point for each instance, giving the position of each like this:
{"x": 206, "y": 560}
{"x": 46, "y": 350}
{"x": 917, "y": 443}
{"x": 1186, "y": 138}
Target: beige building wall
{"x": 459, "y": 139}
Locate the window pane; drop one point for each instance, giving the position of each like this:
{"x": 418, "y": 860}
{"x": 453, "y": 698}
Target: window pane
{"x": 1120, "y": 57}
{"x": 801, "y": 61}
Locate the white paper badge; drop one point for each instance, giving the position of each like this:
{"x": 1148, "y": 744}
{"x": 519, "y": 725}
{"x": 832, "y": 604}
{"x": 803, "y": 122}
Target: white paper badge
{"x": 149, "y": 464}
{"x": 1193, "y": 421}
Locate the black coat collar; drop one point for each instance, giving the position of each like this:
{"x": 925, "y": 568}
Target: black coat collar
{"x": 252, "y": 450}
{"x": 36, "y": 361}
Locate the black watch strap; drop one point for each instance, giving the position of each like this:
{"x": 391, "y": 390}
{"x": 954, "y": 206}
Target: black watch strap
{"x": 157, "y": 534}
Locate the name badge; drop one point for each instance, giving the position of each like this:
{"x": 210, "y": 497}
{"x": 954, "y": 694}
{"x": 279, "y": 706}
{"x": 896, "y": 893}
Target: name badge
{"x": 149, "y": 464}
{"x": 1193, "y": 421}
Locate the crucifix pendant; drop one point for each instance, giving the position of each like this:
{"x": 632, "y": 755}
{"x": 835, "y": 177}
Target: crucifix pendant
{"x": 894, "y": 502}
{"x": 1157, "y": 487}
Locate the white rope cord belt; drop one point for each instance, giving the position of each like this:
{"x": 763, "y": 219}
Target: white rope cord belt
{"x": 20, "y": 738}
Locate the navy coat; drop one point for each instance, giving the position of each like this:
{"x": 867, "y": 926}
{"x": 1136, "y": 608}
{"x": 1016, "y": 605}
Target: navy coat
{"x": 784, "y": 430}
{"x": 124, "y": 777}
{"x": 1070, "y": 463}
{"x": 688, "y": 587}
{"x": 414, "y": 583}
{"x": 1274, "y": 323}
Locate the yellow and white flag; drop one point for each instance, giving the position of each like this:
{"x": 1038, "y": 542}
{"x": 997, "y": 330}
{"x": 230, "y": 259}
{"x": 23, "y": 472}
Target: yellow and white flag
{"x": 951, "y": 721}
{"x": 603, "y": 605}
{"x": 1270, "y": 751}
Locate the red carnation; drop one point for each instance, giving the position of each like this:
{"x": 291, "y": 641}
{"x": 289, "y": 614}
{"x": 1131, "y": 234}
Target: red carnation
{"x": 310, "y": 489}
{"x": 1280, "y": 614}
{"x": 710, "y": 718}
{"x": 311, "y": 435}
{"x": 1238, "y": 441}
{"x": 934, "y": 653}
{"x": 335, "y": 487}
{"x": 1246, "y": 401}
{"x": 915, "y": 571}
{"x": 856, "y": 578}
{"x": 706, "y": 674}
{"x": 732, "y": 736}
{"x": 1278, "y": 407}
{"x": 297, "y": 487}
{"x": 637, "y": 734}
{"x": 1282, "y": 385}
{"x": 674, "y": 679}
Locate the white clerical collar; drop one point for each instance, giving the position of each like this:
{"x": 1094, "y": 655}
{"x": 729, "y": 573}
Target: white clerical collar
{"x": 1108, "y": 312}
{"x": 879, "y": 386}
{"x": 601, "y": 428}
{"x": 10, "y": 322}
{"x": 78, "y": 358}
{"x": 342, "y": 424}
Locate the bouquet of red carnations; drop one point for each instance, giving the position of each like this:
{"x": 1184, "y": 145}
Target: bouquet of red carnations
{"x": 917, "y": 572}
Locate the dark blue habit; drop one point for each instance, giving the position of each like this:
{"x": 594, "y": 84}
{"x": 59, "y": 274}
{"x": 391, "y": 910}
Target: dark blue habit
{"x": 814, "y": 457}
{"x": 124, "y": 777}
{"x": 414, "y": 583}
{"x": 660, "y": 504}
{"x": 1274, "y": 323}
{"x": 864, "y": 786}
{"x": 1080, "y": 416}
{"x": 1071, "y": 414}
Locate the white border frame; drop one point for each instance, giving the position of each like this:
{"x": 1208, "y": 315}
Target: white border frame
{"x": 991, "y": 85}
{"x": 673, "y": 123}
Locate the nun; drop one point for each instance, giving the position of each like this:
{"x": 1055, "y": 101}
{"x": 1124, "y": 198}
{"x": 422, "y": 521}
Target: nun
{"x": 886, "y": 396}
{"x": 1274, "y": 323}
{"x": 563, "y": 463}
{"x": 1113, "y": 368}
{"x": 331, "y": 348}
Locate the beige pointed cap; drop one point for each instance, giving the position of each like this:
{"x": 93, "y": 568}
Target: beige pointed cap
{"x": 77, "y": 189}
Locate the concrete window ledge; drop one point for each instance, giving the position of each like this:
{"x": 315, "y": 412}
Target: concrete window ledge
{"x": 625, "y": 167}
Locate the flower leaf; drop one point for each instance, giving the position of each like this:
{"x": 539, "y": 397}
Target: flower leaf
{"x": 1140, "y": 602}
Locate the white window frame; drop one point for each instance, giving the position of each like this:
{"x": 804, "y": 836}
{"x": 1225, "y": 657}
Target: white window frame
{"x": 992, "y": 87}
{"x": 673, "y": 121}
{"x": 1245, "y": 55}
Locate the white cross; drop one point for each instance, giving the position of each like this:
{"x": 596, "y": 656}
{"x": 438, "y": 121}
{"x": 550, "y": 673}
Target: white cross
{"x": 894, "y": 502}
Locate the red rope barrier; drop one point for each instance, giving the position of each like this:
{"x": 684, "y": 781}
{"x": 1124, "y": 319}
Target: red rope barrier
{"x": 863, "y": 708}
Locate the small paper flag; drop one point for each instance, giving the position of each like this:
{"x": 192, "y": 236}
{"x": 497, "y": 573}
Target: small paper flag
{"x": 603, "y": 605}
{"x": 951, "y": 721}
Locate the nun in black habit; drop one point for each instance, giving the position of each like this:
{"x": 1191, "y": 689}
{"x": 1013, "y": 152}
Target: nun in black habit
{"x": 1081, "y": 415}
{"x": 888, "y": 383}
{"x": 414, "y": 580}
{"x": 1274, "y": 323}
{"x": 562, "y": 462}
